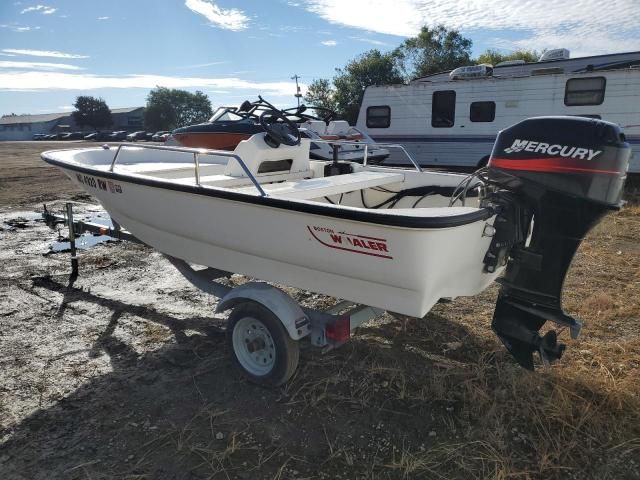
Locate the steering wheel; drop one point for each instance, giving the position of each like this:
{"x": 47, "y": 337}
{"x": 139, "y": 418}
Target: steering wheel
{"x": 280, "y": 130}
{"x": 324, "y": 114}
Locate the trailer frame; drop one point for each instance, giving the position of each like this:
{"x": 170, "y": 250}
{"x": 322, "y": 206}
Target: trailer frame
{"x": 252, "y": 340}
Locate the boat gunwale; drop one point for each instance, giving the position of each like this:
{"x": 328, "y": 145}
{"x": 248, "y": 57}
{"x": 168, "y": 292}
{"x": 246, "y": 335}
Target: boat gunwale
{"x": 359, "y": 215}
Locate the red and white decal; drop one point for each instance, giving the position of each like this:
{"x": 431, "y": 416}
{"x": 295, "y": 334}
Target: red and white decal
{"x": 376, "y": 247}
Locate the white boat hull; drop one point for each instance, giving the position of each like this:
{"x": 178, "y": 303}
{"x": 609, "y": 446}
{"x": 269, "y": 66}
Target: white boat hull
{"x": 404, "y": 270}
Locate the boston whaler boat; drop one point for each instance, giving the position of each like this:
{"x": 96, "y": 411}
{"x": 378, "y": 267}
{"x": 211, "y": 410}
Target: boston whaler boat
{"x": 393, "y": 239}
{"x": 230, "y": 125}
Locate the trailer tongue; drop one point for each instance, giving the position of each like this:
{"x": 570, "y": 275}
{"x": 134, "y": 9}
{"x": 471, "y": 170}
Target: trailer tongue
{"x": 561, "y": 175}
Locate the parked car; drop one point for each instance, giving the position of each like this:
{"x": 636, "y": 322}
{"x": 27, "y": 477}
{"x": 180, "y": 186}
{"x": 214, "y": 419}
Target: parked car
{"x": 148, "y": 136}
{"x": 98, "y": 136}
{"x": 159, "y": 136}
{"x": 74, "y": 136}
{"x": 39, "y": 136}
{"x": 135, "y": 136}
{"x": 120, "y": 135}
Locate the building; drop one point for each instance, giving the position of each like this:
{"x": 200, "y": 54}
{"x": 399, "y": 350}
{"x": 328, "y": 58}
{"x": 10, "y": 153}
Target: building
{"x": 24, "y": 127}
{"x": 129, "y": 119}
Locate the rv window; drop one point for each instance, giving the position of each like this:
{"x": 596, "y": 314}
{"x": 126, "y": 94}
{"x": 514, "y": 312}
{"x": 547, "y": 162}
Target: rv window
{"x": 482, "y": 111}
{"x": 443, "y": 109}
{"x": 584, "y": 91}
{"x": 378, "y": 117}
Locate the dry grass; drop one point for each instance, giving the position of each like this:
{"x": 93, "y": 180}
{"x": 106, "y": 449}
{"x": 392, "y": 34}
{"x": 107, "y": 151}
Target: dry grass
{"x": 421, "y": 399}
{"x": 490, "y": 419}
{"x": 154, "y": 333}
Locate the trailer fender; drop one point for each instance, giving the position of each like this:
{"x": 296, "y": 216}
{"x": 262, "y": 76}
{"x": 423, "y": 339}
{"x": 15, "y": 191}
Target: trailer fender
{"x": 282, "y": 305}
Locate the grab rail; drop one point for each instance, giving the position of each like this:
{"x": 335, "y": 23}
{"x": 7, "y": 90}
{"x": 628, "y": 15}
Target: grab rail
{"x": 196, "y": 160}
{"x": 366, "y": 148}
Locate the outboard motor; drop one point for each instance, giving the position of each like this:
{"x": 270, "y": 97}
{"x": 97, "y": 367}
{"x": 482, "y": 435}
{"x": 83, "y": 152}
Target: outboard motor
{"x": 556, "y": 178}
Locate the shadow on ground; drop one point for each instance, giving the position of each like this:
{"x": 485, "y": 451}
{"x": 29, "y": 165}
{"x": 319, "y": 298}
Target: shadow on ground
{"x": 393, "y": 403}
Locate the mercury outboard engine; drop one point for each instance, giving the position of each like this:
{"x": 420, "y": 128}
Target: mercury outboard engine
{"x": 556, "y": 178}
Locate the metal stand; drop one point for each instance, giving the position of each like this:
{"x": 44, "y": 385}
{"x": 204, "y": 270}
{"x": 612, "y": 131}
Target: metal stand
{"x": 72, "y": 241}
{"x": 78, "y": 227}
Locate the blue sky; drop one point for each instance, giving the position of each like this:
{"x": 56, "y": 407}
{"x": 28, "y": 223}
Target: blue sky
{"x": 52, "y": 51}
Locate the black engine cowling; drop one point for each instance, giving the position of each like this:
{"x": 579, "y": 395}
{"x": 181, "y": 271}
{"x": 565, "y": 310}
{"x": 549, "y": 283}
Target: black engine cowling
{"x": 557, "y": 176}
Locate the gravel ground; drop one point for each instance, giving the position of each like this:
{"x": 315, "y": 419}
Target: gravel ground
{"x": 123, "y": 372}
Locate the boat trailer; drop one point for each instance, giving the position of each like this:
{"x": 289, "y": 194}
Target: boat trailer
{"x": 265, "y": 325}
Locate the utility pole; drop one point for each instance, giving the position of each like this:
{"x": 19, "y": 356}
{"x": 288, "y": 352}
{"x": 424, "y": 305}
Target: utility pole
{"x": 298, "y": 95}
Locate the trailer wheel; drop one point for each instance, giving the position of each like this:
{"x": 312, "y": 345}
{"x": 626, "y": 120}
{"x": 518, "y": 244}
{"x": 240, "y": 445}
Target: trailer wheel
{"x": 262, "y": 348}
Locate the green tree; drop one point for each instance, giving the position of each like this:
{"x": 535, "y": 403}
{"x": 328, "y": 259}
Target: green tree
{"x": 320, "y": 94}
{"x": 92, "y": 112}
{"x": 169, "y": 108}
{"x": 433, "y": 50}
{"x": 344, "y": 93}
{"x": 494, "y": 57}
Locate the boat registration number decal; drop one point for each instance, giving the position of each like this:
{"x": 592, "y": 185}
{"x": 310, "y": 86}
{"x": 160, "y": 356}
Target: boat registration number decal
{"x": 106, "y": 185}
{"x": 350, "y": 242}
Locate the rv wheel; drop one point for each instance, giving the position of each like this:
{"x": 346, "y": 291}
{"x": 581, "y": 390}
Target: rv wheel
{"x": 262, "y": 349}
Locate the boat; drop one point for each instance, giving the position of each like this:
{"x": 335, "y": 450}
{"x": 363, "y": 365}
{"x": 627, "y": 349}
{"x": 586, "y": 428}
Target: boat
{"x": 228, "y": 126}
{"x": 397, "y": 239}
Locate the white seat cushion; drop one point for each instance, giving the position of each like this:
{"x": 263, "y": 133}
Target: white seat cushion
{"x": 326, "y": 186}
{"x": 338, "y": 127}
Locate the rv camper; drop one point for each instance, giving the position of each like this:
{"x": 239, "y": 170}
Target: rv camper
{"x": 452, "y": 118}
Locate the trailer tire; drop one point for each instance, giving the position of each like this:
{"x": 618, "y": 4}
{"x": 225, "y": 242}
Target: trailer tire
{"x": 260, "y": 346}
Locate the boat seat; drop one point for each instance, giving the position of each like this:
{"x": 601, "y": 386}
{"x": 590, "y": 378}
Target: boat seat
{"x": 327, "y": 186}
{"x": 261, "y": 158}
{"x": 174, "y": 171}
{"x": 337, "y": 127}
{"x": 225, "y": 181}
{"x": 317, "y": 126}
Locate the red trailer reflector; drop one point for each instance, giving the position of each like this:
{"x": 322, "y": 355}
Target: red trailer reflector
{"x": 340, "y": 330}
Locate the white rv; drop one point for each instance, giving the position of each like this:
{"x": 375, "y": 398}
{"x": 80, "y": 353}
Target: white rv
{"x": 452, "y": 118}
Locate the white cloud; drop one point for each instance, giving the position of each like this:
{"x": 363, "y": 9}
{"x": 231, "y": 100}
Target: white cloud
{"x": 42, "y": 53}
{"x": 66, "y": 108}
{"x": 19, "y": 29}
{"x": 581, "y": 24}
{"x": 103, "y": 18}
{"x": 38, "y": 66}
{"x": 19, "y": 81}
{"x": 372, "y": 41}
{"x": 202, "y": 65}
{"x": 43, "y": 9}
{"x": 227, "y": 18}
{"x": 329, "y": 43}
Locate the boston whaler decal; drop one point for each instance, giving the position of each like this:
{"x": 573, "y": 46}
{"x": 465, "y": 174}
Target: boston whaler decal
{"x": 556, "y": 149}
{"x": 376, "y": 247}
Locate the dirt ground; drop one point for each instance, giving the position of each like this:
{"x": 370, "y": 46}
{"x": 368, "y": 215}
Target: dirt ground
{"x": 123, "y": 374}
